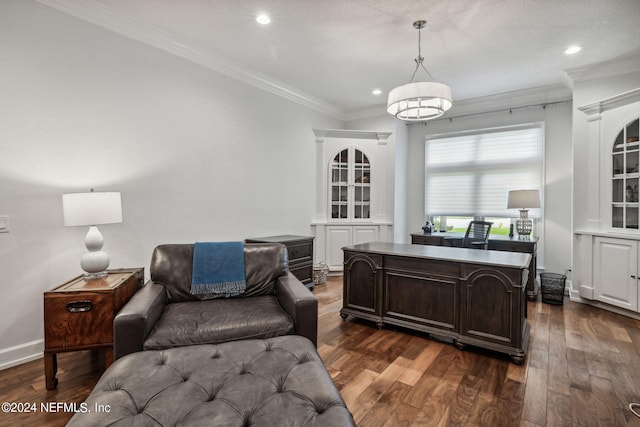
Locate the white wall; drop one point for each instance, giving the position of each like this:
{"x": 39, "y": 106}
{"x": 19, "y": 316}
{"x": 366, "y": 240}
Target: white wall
{"x": 196, "y": 155}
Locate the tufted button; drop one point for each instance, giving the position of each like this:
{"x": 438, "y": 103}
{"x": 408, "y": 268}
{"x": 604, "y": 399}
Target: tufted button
{"x": 306, "y": 358}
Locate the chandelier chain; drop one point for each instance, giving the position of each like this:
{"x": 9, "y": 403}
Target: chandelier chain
{"x": 419, "y": 60}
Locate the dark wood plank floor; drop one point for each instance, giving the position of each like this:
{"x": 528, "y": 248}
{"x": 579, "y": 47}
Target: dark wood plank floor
{"x": 582, "y": 369}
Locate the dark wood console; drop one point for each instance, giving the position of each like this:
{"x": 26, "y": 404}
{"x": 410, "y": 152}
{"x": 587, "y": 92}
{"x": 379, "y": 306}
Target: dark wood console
{"x": 300, "y": 252}
{"x": 475, "y": 297}
{"x": 496, "y": 243}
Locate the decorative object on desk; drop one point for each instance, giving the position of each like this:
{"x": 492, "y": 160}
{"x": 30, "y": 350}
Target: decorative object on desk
{"x": 510, "y": 230}
{"x": 427, "y": 227}
{"x": 523, "y": 200}
{"x": 419, "y": 101}
{"x": 94, "y": 208}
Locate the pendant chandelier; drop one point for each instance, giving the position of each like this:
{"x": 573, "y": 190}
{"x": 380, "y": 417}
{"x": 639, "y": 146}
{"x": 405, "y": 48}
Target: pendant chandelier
{"x": 419, "y": 101}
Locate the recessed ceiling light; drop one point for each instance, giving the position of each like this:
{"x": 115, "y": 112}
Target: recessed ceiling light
{"x": 376, "y": 91}
{"x": 263, "y": 19}
{"x": 572, "y": 49}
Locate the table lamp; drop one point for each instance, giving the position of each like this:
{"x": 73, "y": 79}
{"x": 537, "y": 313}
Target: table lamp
{"x": 92, "y": 209}
{"x": 523, "y": 200}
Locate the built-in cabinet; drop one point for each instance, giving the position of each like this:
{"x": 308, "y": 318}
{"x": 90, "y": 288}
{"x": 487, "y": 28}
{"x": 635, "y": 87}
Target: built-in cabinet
{"x": 607, "y": 182}
{"x": 615, "y": 272}
{"x": 339, "y": 236}
{"x": 613, "y": 276}
{"x": 354, "y": 191}
{"x": 625, "y": 176}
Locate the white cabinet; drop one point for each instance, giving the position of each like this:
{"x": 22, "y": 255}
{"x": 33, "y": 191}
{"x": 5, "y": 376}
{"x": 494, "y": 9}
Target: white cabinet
{"x": 615, "y": 272}
{"x": 606, "y": 269}
{"x": 354, "y": 191}
{"x": 339, "y": 236}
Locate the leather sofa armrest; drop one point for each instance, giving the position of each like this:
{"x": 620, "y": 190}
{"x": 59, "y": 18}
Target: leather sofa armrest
{"x": 300, "y": 304}
{"x": 135, "y": 320}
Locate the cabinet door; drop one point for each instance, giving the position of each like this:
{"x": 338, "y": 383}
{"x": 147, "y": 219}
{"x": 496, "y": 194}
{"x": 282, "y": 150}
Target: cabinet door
{"x": 337, "y": 238}
{"x": 614, "y": 272}
{"x": 365, "y": 234}
{"x": 493, "y": 305}
{"x": 362, "y": 286}
{"x": 350, "y": 185}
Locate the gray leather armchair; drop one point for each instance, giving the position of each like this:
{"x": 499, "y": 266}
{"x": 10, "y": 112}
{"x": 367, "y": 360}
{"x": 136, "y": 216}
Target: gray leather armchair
{"x": 164, "y": 313}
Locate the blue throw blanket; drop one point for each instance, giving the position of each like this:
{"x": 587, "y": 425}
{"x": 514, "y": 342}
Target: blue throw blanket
{"x": 218, "y": 268}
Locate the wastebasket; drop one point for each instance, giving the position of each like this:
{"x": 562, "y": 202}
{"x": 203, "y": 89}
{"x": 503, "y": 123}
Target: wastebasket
{"x": 320, "y": 272}
{"x": 552, "y": 287}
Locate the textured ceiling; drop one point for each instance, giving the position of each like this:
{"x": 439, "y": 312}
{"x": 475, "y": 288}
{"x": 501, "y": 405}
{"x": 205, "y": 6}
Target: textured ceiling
{"x": 337, "y": 51}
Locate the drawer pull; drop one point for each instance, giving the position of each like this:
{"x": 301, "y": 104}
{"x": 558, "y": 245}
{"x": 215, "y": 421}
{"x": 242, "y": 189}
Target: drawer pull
{"x": 79, "y": 306}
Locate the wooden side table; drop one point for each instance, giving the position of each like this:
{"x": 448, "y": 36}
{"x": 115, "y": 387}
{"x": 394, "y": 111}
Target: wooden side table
{"x": 300, "y": 252}
{"x": 78, "y": 315}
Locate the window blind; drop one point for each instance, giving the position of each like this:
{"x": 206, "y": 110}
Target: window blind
{"x": 471, "y": 174}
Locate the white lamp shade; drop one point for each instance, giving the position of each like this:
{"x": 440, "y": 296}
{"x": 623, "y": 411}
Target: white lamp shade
{"x": 419, "y": 101}
{"x": 523, "y": 199}
{"x": 92, "y": 208}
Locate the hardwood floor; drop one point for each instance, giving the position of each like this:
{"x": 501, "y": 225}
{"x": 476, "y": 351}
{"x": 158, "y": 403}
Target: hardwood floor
{"x": 582, "y": 369}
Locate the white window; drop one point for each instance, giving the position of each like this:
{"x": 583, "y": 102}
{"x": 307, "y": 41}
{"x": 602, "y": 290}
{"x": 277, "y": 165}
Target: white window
{"x": 469, "y": 174}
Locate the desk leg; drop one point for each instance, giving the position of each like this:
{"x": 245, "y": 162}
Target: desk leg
{"x": 50, "y": 370}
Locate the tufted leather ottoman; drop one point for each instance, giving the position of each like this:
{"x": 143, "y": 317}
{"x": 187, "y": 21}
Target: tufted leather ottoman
{"x": 277, "y": 381}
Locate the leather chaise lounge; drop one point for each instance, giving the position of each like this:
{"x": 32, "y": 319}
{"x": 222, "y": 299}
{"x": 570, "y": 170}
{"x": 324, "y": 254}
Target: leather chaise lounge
{"x": 164, "y": 313}
{"x": 273, "y": 382}
{"x": 239, "y": 361}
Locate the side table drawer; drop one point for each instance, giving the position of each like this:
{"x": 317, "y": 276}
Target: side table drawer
{"x": 80, "y": 313}
{"x": 78, "y": 320}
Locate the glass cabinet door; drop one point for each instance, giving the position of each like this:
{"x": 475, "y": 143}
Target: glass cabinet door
{"x": 625, "y": 177}
{"x": 350, "y": 186}
{"x": 340, "y": 185}
{"x": 362, "y": 187}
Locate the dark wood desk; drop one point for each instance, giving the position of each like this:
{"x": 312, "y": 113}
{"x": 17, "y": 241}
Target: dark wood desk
{"x": 471, "y": 296}
{"x": 496, "y": 243}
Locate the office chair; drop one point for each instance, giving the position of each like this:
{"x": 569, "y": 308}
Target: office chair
{"x": 477, "y": 235}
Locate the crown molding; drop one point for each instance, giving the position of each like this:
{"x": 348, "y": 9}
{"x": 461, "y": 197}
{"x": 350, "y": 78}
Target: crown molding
{"x": 611, "y": 102}
{"x": 613, "y": 67}
{"x": 381, "y": 137}
{"x": 113, "y": 20}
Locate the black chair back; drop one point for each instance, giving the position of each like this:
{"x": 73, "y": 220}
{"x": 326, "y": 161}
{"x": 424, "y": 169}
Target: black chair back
{"x": 477, "y": 235}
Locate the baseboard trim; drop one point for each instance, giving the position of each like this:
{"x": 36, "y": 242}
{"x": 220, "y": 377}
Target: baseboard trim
{"x": 19, "y": 354}
{"x": 575, "y": 297}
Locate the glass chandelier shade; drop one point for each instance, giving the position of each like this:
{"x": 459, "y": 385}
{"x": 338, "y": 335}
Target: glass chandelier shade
{"x": 419, "y": 101}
